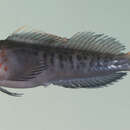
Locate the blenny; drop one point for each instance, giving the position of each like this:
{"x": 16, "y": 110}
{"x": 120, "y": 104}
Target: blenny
{"x": 30, "y": 58}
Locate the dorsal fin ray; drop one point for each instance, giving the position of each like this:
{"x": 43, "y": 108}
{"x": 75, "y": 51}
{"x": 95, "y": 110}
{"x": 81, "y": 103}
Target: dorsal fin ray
{"x": 32, "y": 36}
{"x": 90, "y": 41}
{"x": 84, "y": 41}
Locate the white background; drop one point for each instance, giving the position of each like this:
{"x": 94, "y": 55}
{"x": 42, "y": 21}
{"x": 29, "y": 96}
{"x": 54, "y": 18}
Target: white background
{"x": 57, "y": 108}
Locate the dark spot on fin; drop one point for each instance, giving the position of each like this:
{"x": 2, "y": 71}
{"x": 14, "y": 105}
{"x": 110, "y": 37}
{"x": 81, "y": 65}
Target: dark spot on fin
{"x": 10, "y": 93}
{"x": 92, "y": 82}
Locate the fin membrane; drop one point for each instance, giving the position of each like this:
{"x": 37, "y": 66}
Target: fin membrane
{"x": 32, "y": 36}
{"x": 10, "y": 93}
{"x": 32, "y": 72}
{"x": 84, "y": 41}
{"x": 90, "y": 41}
{"x": 94, "y": 82}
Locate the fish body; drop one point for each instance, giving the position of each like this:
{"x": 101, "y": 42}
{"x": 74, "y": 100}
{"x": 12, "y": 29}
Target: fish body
{"x": 86, "y": 60}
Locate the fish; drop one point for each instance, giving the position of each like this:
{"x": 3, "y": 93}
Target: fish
{"x": 31, "y": 58}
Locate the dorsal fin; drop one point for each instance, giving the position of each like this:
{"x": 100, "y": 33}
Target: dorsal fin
{"x": 92, "y": 82}
{"x": 27, "y": 35}
{"x": 84, "y": 41}
{"x": 90, "y": 41}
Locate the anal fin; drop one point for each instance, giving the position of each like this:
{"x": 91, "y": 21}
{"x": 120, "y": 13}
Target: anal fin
{"x": 92, "y": 82}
